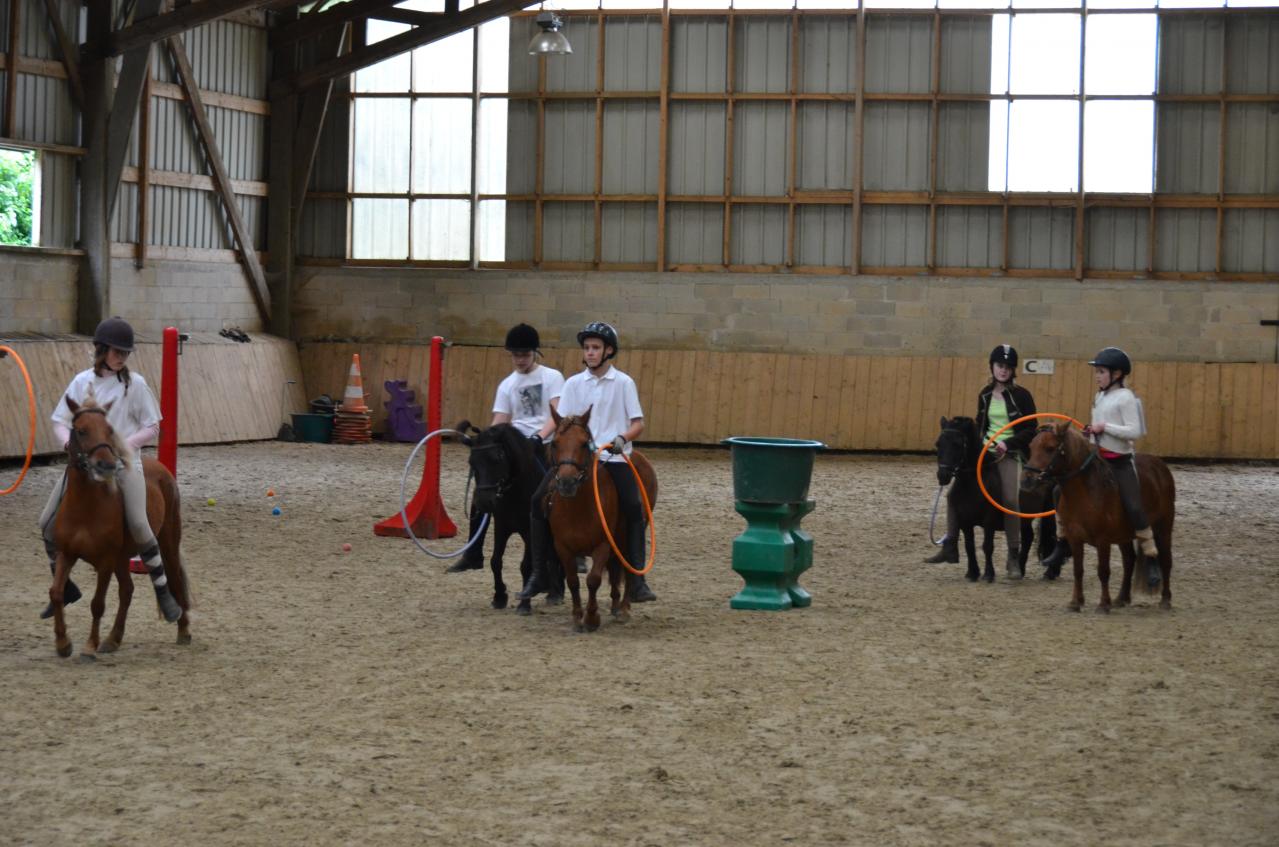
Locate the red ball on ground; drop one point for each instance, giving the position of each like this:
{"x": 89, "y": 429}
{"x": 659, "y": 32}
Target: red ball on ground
{"x": 346, "y": 548}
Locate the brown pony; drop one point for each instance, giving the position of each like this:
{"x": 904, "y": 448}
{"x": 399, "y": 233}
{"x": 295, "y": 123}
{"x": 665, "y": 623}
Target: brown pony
{"x": 575, "y": 521}
{"x": 91, "y": 526}
{"x": 1089, "y": 511}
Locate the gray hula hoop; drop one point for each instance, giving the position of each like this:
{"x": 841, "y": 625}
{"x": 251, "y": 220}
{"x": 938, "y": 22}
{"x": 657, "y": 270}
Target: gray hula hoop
{"x": 479, "y": 532}
{"x": 932, "y": 523}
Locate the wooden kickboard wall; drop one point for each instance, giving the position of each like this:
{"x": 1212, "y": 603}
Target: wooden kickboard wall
{"x": 228, "y": 390}
{"x": 235, "y": 392}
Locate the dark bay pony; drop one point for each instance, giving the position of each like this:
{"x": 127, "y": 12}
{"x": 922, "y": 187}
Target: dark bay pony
{"x": 1090, "y": 512}
{"x": 91, "y": 526}
{"x": 958, "y": 446}
{"x": 506, "y": 475}
{"x": 575, "y": 522}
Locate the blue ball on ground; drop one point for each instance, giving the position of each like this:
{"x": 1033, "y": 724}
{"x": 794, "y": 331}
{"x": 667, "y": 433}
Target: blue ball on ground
{"x": 276, "y": 510}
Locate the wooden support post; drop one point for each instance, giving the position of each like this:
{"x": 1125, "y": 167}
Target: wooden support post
{"x": 68, "y": 51}
{"x": 124, "y": 106}
{"x": 243, "y": 238}
{"x": 93, "y": 283}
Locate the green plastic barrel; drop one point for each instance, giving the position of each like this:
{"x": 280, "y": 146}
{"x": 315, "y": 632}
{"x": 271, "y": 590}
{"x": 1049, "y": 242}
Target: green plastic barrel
{"x": 772, "y": 470}
{"x": 316, "y": 428}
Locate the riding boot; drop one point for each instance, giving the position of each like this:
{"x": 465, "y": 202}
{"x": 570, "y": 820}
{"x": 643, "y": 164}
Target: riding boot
{"x": 155, "y": 569}
{"x": 70, "y": 592}
{"x": 1052, "y": 564}
{"x": 540, "y": 578}
{"x": 948, "y": 554}
{"x": 1012, "y": 564}
{"x": 555, "y": 593}
{"x": 473, "y": 558}
{"x": 640, "y": 590}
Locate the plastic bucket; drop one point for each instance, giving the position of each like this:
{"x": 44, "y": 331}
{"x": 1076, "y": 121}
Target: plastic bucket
{"x": 772, "y": 470}
{"x": 316, "y": 428}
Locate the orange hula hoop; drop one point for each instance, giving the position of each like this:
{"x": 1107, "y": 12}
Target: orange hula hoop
{"x": 648, "y": 510}
{"x": 982, "y": 457}
{"x": 31, "y": 405}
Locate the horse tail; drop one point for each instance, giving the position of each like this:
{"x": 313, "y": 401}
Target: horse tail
{"x": 175, "y": 570}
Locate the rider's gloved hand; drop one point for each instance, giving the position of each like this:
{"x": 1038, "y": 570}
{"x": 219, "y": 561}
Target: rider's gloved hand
{"x": 619, "y": 443}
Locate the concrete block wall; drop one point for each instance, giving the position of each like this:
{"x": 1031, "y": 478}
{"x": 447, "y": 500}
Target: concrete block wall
{"x": 37, "y": 292}
{"x": 913, "y": 316}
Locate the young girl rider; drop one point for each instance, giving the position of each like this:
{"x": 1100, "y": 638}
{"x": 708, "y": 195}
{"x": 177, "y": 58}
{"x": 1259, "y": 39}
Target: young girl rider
{"x": 524, "y": 399}
{"x": 1117, "y": 421}
{"x": 134, "y": 415}
{"x": 1001, "y": 401}
{"x": 616, "y": 420}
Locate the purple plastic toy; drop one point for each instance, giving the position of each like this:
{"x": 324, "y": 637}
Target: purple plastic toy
{"x": 403, "y": 416}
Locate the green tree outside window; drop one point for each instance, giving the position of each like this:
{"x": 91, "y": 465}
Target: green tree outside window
{"x": 17, "y": 169}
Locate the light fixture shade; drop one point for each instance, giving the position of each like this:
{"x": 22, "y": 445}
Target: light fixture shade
{"x": 549, "y": 41}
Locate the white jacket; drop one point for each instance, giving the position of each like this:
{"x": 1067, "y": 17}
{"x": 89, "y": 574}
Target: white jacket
{"x": 1120, "y": 410}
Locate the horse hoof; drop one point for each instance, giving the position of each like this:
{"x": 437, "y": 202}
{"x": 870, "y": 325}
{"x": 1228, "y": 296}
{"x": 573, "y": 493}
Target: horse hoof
{"x": 184, "y": 638}
{"x": 592, "y": 627}
{"x": 64, "y": 650}
{"x": 524, "y": 608}
{"x": 1103, "y": 610}
{"x": 87, "y": 658}
{"x": 971, "y": 577}
{"x": 990, "y": 577}
{"x": 111, "y": 646}
{"x": 499, "y": 601}
{"x": 1165, "y": 605}
{"x": 1073, "y": 607}
{"x": 622, "y": 617}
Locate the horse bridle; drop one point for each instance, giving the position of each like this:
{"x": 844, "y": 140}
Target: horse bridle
{"x": 501, "y": 486}
{"x": 963, "y": 437}
{"x": 1056, "y": 477}
{"x": 78, "y": 453}
{"x": 590, "y": 451}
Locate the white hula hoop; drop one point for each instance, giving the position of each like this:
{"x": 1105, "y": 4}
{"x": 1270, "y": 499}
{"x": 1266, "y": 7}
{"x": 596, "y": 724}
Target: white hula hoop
{"x": 933, "y": 522}
{"x": 479, "y": 532}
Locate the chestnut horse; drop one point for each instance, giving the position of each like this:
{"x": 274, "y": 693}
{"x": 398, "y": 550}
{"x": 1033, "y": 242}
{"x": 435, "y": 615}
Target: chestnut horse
{"x": 1089, "y": 511}
{"x": 575, "y": 520}
{"x": 91, "y": 525}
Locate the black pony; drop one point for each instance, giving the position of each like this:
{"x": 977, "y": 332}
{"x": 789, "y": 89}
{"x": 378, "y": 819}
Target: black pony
{"x": 506, "y": 475}
{"x": 958, "y": 446}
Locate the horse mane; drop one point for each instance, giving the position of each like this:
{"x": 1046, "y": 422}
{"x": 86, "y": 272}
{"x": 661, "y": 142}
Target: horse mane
{"x": 122, "y": 448}
{"x": 521, "y": 448}
{"x": 1077, "y": 449}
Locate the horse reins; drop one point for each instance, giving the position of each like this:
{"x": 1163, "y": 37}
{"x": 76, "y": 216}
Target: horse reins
{"x": 590, "y": 451}
{"x": 501, "y": 487}
{"x": 1060, "y": 453}
{"x": 78, "y": 453}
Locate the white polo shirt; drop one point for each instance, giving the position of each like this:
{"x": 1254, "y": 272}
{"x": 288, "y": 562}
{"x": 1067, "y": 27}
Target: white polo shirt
{"x": 129, "y": 412}
{"x": 613, "y": 400}
{"x": 526, "y": 398}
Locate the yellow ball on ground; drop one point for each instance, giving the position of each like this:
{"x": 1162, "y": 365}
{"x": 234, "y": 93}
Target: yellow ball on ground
{"x": 212, "y": 502}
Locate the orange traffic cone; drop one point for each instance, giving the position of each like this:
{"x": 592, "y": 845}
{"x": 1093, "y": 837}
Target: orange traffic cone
{"x": 352, "y": 422}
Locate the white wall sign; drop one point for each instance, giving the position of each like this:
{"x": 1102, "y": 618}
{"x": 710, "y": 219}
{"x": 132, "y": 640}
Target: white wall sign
{"x": 1037, "y": 366}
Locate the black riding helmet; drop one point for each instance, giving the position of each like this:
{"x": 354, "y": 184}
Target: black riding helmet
{"x": 115, "y": 332}
{"x": 604, "y": 332}
{"x": 1113, "y": 359}
{"x": 1004, "y": 354}
{"x": 522, "y": 338}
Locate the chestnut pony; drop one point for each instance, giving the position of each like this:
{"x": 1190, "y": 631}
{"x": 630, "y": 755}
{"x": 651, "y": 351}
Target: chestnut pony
{"x": 575, "y": 521}
{"x": 1089, "y": 511}
{"x": 91, "y": 526}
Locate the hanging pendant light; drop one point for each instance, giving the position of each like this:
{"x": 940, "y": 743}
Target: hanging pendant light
{"x": 549, "y": 39}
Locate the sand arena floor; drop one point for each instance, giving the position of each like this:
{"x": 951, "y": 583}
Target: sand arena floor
{"x": 368, "y": 697}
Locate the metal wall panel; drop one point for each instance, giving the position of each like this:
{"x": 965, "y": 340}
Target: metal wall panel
{"x": 124, "y": 225}
{"x": 570, "y": 148}
{"x": 568, "y": 232}
{"x": 521, "y": 147}
{"x": 826, "y": 138}
{"x": 519, "y": 230}
{"x": 824, "y": 236}
{"x": 1252, "y": 54}
{"x": 963, "y": 147}
{"x": 523, "y": 67}
{"x": 1250, "y": 240}
{"x": 896, "y": 137}
{"x": 1186, "y": 153}
{"x": 628, "y": 232}
{"x": 969, "y": 237}
{"x": 1117, "y": 239}
{"x": 59, "y": 204}
{"x": 572, "y": 72}
{"x": 828, "y": 54}
{"x": 44, "y": 111}
{"x": 633, "y": 54}
{"x": 1190, "y": 54}
{"x": 323, "y": 229}
{"x": 694, "y": 233}
{"x": 333, "y": 155}
{"x": 965, "y": 54}
{"x": 1185, "y": 239}
{"x": 1252, "y": 146}
{"x": 695, "y": 151}
{"x": 174, "y": 146}
{"x": 899, "y": 53}
{"x": 631, "y": 132}
{"x": 241, "y": 140}
{"x": 895, "y": 236}
{"x": 230, "y": 58}
{"x": 761, "y": 147}
{"x": 762, "y": 55}
{"x": 759, "y": 235}
{"x": 699, "y": 54}
{"x": 1041, "y": 238}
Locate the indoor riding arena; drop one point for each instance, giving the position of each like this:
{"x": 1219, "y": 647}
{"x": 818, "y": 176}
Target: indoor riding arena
{"x": 810, "y": 225}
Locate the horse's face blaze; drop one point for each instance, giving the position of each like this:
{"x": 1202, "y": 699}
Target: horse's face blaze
{"x": 570, "y": 452}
